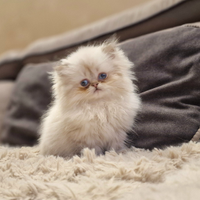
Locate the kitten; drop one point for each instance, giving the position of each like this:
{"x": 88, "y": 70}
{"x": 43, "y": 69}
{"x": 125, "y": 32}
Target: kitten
{"x": 95, "y": 102}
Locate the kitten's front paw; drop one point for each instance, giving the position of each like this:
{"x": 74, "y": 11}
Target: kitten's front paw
{"x": 99, "y": 151}
{"x": 122, "y": 151}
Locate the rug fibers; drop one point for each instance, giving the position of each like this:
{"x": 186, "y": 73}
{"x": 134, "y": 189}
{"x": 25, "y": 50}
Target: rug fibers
{"x": 172, "y": 173}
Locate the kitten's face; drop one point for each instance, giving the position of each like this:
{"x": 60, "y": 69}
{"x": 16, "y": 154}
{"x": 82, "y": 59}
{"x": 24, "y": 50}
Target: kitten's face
{"x": 91, "y": 73}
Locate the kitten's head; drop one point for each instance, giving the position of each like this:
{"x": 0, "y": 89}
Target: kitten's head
{"x": 92, "y": 73}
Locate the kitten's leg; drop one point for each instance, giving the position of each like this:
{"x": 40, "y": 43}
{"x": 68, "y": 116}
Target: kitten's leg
{"x": 99, "y": 151}
{"x": 119, "y": 146}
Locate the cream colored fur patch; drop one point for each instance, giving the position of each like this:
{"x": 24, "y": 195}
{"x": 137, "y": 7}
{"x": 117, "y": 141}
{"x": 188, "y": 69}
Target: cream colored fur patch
{"x": 173, "y": 173}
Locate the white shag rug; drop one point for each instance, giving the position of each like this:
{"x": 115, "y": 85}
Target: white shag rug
{"x": 173, "y": 173}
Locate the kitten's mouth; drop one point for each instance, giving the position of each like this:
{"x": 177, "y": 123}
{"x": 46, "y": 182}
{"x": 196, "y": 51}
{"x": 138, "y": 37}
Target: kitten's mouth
{"x": 97, "y": 90}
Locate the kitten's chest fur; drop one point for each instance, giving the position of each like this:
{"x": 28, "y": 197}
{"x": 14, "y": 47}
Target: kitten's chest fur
{"x": 98, "y": 118}
{"x": 102, "y": 124}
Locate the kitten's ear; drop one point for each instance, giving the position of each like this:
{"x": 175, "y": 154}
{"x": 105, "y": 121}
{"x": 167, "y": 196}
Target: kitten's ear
{"x": 61, "y": 68}
{"x": 110, "y": 46}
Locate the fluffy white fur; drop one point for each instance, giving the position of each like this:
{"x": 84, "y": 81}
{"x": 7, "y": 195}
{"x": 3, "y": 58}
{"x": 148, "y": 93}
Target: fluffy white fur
{"x": 85, "y": 117}
{"x": 169, "y": 174}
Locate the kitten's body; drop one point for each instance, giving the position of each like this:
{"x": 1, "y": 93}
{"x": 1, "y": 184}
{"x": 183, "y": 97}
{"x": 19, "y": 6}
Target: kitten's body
{"x": 96, "y": 116}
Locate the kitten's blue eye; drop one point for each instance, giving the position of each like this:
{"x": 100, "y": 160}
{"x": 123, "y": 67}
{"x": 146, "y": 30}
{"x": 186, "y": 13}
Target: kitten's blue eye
{"x": 102, "y": 76}
{"x": 84, "y": 83}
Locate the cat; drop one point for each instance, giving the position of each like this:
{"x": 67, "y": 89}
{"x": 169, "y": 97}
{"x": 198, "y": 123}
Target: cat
{"x": 95, "y": 102}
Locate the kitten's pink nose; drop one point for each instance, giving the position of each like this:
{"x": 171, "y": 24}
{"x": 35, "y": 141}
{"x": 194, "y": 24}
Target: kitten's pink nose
{"x": 95, "y": 84}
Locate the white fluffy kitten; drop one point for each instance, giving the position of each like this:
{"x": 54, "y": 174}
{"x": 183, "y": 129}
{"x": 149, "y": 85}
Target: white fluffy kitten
{"x": 95, "y": 102}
